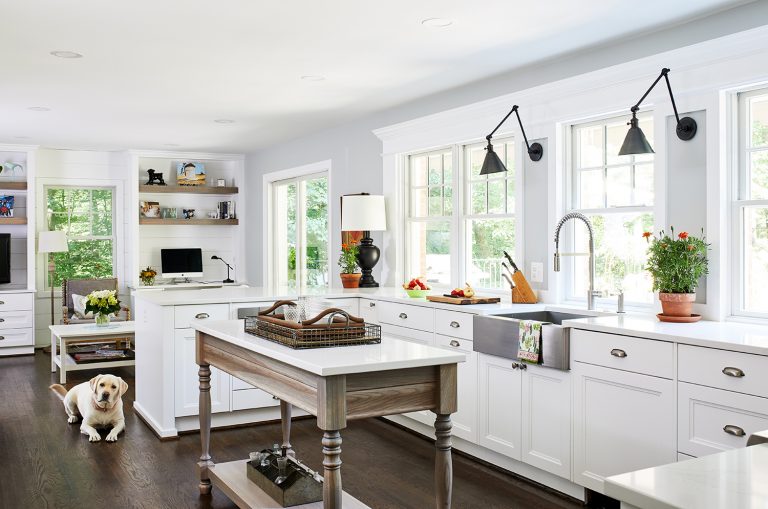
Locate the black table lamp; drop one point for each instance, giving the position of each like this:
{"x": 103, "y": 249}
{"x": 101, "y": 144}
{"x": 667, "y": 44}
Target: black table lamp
{"x": 366, "y": 213}
{"x": 228, "y": 280}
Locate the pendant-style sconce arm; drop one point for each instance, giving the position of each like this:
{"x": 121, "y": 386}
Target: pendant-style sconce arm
{"x": 492, "y": 162}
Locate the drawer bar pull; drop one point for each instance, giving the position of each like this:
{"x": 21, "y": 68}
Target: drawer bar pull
{"x": 403, "y": 316}
{"x": 455, "y": 324}
{"x": 618, "y": 352}
{"x": 455, "y": 343}
{"x": 734, "y": 372}
{"x": 734, "y": 430}
{"x": 201, "y": 316}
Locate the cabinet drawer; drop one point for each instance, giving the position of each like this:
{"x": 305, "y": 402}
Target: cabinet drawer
{"x": 15, "y": 319}
{"x": 459, "y": 344}
{"x": 17, "y": 337}
{"x": 15, "y": 301}
{"x": 712, "y": 420}
{"x": 369, "y": 310}
{"x": 638, "y": 355}
{"x": 184, "y": 315}
{"x": 407, "y": 315}
{"x": 251, "y": 398}
{"x": 732, "y": 371}
{"x": 451, "y": 323}
{"x": 412, "y": 335}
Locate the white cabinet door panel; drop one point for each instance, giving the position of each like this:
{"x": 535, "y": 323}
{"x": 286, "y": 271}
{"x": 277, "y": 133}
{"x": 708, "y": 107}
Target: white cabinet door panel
{"x": 465, "y": 419}
{"x": 187, "y": 387}
{"x": 499, "y": 405}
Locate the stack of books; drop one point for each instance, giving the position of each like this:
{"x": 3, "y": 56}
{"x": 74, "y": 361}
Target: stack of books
{"x": 226, "y": 210}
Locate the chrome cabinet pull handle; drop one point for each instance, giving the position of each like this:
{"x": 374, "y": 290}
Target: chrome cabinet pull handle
{"x": 515, "y": 365}
{"x": 734, "y": 372}
{"x": 403, "y": 316}
{"x": 455, "y": 324}
{"x": 275, "y": 398}
{"x": 2, "y": 338}
{"x": 2, "y": 320}
{"x": 455, "y": 343}
{"x": 618, "y": 352}
{"x": 523, "y": 366}
{"x": 201, "y": 316}
{"x": 371, "y": 304}
{"x": 2, "y": 302}
{"x": 734, "y": 430}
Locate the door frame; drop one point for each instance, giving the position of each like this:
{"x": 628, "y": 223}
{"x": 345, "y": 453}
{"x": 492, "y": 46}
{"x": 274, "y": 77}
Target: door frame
{"x": 268, "y": 179}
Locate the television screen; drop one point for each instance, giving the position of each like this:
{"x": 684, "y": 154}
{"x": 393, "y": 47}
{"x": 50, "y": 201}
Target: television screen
{"x": 181, "y": 262}
{"x": 5, "y": 258}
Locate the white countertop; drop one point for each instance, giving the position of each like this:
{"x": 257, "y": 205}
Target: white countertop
{"x": 748, "y": 338}
{"x": 233, "y": 294}
{"x": 389, "y": 354}
{"x": 727, "y": 480}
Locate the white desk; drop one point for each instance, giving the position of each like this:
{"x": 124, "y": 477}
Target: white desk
{"x": 64, "y": 334}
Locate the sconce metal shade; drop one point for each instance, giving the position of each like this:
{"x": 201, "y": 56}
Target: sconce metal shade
{"x": 492, "y": 162}
{"x": 635, "y": 142}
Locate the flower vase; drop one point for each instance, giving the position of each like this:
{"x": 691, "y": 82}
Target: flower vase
{"x": 148, "y": 281}
{"x": 102, "y": 320}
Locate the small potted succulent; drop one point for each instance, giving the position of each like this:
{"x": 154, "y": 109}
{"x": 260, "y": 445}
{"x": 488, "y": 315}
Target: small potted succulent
{"x": 350, "y": 276}
{"x": 148, "y": 276}
{"x": 676, "y": 264}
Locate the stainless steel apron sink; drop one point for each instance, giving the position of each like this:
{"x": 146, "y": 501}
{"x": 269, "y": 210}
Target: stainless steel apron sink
{"x": 498, "y": 335}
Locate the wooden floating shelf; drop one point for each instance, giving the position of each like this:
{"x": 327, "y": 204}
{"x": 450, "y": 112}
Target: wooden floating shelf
{"x": 143, "y": 188}
{"x": 13, "y": 186}
{"x": 166, "y": 221}
{"x": 13, "y": 220}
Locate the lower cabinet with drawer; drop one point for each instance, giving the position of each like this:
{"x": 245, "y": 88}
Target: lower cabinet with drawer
{"x": 713, "y": 420}
{"x": 407, "y": 315}
{"x": 17, "y": 333}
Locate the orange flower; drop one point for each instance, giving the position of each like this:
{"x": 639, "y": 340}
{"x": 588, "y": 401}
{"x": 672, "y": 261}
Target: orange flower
{"x": 683, "y": 235}
{"x": 344, "y": 246}
{"x": 646, "y": 234}
{"x": 690, "y": 247}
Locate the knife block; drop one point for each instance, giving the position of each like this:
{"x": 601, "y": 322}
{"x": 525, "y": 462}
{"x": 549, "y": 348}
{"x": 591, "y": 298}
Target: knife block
{"x": 522, "y": 292}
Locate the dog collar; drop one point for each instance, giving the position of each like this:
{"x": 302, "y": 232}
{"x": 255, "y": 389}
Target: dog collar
{"x": 97, "y": 407}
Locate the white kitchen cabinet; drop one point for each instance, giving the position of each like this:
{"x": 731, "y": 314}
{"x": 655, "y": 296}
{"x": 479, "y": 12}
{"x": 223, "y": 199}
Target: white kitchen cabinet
{"x": 465, "y": 418}
{"x": 546, "y": 419}
{"x": 622, "y": 422}
{"x": 369, "y": 311}
{"x": 499, "y": 424}
{"x": 187, "y": 384}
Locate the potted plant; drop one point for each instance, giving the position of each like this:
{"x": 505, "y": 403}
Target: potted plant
{"x": 148, "y": 276}
{"x": 350, "y": 278}
{"x": 102, "y": 303}
{"x": 676, "y": 264}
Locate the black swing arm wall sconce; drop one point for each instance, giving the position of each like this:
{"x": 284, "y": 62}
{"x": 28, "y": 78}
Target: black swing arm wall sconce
{"x": 492, "y": 162}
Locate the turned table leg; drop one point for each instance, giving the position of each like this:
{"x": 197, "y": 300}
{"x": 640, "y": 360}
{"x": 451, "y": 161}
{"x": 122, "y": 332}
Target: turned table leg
{"x": 285, "y": 419}
{"x": 331, "y": 470}
{"x": 205, "y": 462}
{"x": 443, "y": 463}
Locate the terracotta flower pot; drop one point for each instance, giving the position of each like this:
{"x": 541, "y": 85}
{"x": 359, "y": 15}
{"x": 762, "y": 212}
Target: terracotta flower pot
{"x": 677, "y": 304}
{"x": 351, "y": 280}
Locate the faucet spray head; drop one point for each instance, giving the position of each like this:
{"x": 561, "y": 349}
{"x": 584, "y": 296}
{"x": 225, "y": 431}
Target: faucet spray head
{"x": 557, "y": 261}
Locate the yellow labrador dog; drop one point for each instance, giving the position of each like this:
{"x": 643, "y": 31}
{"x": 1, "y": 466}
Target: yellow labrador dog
{"x": 98, "y": 402}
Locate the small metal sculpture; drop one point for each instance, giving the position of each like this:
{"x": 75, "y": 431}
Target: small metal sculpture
{"x": 155, "y": 178}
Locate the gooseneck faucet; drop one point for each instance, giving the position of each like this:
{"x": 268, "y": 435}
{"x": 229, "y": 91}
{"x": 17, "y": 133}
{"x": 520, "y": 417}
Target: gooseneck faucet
{"x": 577, "y": 215}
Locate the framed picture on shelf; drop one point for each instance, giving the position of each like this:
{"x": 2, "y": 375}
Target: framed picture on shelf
{"x": 190, "y": 174}
{"x": 150, "y": 209}
{"x": 221, "y": 183}
{"x": 169, "y": 212}
{"x": 6, "y": 206}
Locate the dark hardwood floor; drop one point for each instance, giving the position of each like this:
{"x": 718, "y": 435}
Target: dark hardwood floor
{"x": 47, "y": 463}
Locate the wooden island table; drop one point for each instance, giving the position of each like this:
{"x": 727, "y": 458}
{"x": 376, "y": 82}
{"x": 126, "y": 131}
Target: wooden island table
{"x": 333, "y": 384}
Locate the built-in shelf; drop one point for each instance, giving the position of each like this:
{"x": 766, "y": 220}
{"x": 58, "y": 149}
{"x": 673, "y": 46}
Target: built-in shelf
{"x": 13, "y": 220}
{"x": 143, "y": 188}
{"x": 13, "y": 186}
{"x": 201, "y": 221}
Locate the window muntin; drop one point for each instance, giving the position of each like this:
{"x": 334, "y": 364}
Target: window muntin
{"x": 87, "y": 217}
{"x": 616, "y": 193}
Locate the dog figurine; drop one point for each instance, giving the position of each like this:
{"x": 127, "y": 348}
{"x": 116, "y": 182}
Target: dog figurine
{"x": 155, "y": 178}
{"x": 99, "y": 403}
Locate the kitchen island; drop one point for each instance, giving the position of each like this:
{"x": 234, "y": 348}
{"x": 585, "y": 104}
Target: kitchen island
{"x": 335, "y": 385}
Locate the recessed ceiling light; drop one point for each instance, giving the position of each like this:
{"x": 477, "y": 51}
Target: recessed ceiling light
{"x": 66, "y": 54}
{"x": 224, "y": 121}
{"x": 171, "y": 144}
{"x": 21, "y": 137}
{"x": 313, "y": 77}
{"x": 38, "y": 108}
{"x": 437, "y": 22}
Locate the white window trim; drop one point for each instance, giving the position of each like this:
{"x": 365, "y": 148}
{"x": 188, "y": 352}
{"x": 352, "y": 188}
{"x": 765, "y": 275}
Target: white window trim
{"x": 268, "y": 278}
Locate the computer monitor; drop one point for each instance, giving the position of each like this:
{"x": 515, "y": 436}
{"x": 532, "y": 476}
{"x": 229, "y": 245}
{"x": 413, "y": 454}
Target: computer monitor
{"x": 181, "y": 263}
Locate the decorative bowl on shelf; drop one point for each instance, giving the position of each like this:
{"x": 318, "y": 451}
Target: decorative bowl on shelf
{"x": 417, "y": 294}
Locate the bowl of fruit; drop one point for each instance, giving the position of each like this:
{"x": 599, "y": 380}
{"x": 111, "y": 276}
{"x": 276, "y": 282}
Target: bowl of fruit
{"x": 417, "y": 288}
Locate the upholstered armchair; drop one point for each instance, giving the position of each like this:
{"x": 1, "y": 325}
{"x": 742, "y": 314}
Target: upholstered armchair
{"x": 83, "y": 287}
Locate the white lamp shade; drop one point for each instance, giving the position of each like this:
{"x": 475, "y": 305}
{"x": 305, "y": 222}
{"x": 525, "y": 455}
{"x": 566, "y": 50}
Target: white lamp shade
{"x": 52, "y": 242}
{"x": 363, "y": 213}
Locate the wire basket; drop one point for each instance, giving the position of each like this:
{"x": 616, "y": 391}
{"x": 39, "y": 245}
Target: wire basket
{"x": 340, "y": 329}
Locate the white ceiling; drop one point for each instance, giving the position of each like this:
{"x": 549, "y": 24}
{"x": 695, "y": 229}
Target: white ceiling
{"x": 156, "y": 74}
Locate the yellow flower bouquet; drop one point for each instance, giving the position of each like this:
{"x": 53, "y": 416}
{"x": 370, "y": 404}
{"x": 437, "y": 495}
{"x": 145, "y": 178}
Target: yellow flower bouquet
{"x": 102, "y": 303}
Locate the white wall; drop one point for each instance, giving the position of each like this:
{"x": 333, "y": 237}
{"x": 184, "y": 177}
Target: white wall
{"x": 79, "y": 168}
{"x": 356, "y": 153}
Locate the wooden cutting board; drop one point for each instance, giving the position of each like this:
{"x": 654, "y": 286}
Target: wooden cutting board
{"x": 463, "y": 301}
